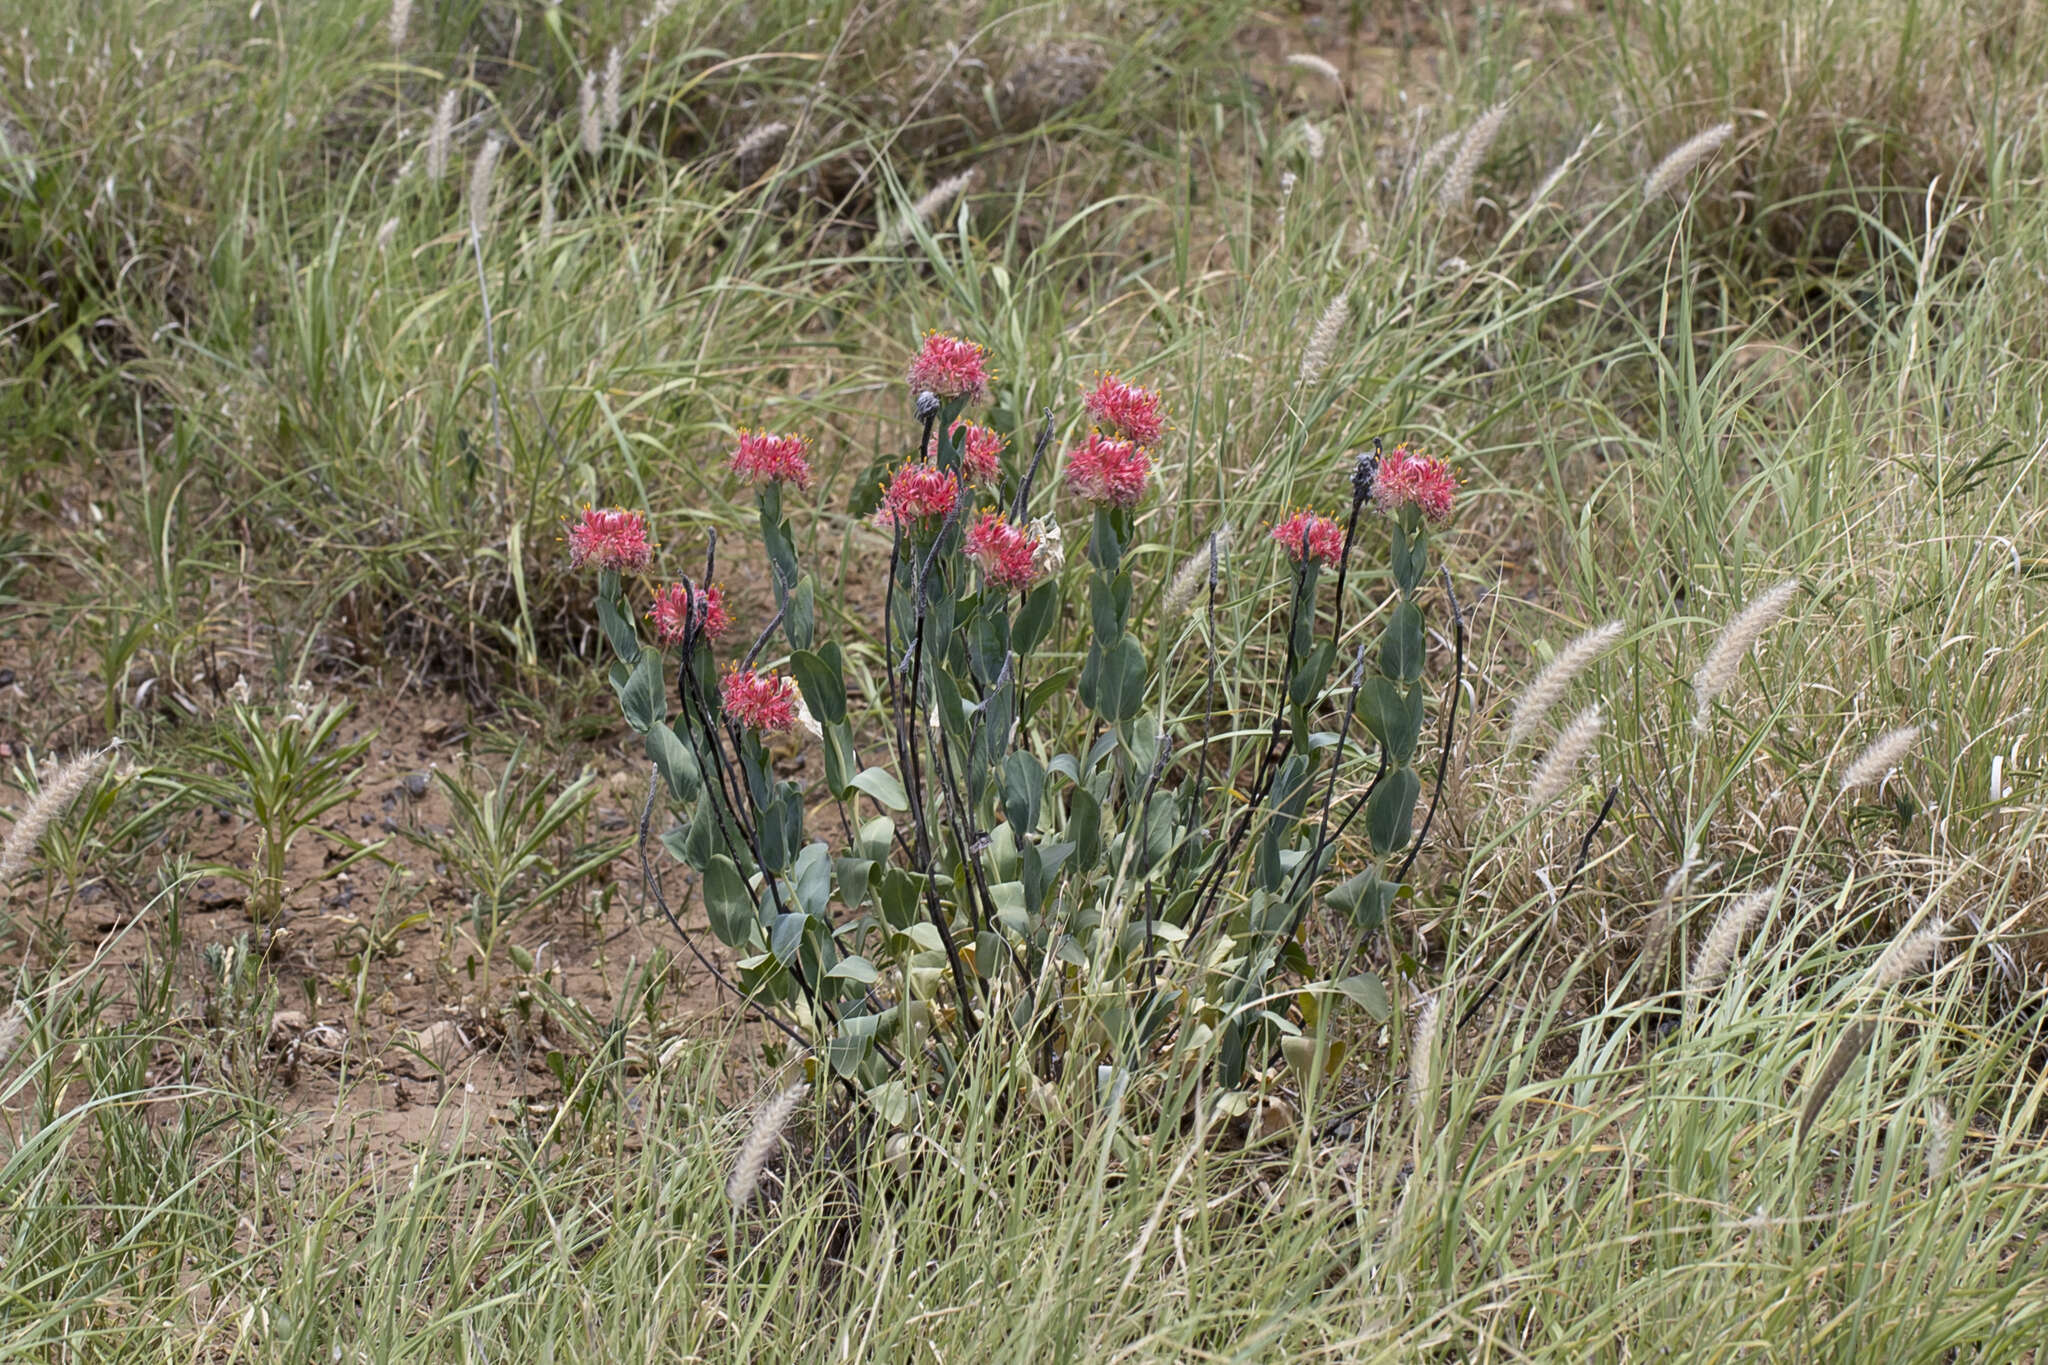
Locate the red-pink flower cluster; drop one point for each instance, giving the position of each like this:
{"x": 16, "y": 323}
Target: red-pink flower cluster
{"x": 759, "y": 701}
{"x": 981, "y": 452}
{"x": 1408, "y": 479}
{"x": 917, "y": 493}
{"x": 675, "y": 606}
{"x": 1108, "y": 471}
{"x": 1008, "y": 557}
{"x": 611, "y": 539}
{"x": 1307, "y": 536}
{"x": 763, "y": 457}
{"x": 1126, "y": 411}
{"x": 948, "y": 368}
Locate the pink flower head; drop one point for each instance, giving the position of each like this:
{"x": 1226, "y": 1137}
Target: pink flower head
{"x": 763, "y": 457}
{"x": 1106, "y": 470}
{"x": 759, "y": 701}
{"x": 981, "y": 452}
{"x": 1008, "y": 557}
{"x": 918, "y": 493}
{"x": 950, "y": 368}
{"x": 1126, "y": 411}
{"x": 676, "y": 604}
{"x": 1407, "y": 479}
{"x": 610, "y": 538}
{"x": 1306, "y": 536}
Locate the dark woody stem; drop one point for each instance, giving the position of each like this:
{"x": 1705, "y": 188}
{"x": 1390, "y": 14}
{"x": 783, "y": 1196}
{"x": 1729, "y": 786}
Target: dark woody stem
{"x": 1443, "y": 761}
{"x": 1031, "y": 473}
{"x": 1307, "y": 870}
{"x": 969, "y": 1021}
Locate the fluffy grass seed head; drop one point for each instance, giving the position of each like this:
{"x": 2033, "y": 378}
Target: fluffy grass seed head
{"x": 760, "y": 142}
{"x": 482, "y": 177}
{"x": 1319, "y": 66}
{"x": 1683, "y": 158}
{"x": 1433, "y": 155}
{"x": 614, "y": 83}
{"x": 398, "y": 25}
{"x": 441, "y": 137}
{"x": 13, "y": 1028}
{"x": 929, "y": 206}
{"x": 1880, "y": 757}
{"x": 1550, "y": 685}
{"x": 1472, "y": 149}
{"x": 1717, "y": 951}
{"x": 589, "y": 131}
{"x": 761, "y": 1141}
{"x": 1908, "y": 954}
{"x": 52, "y": 801}
{"x": 1422, "y": 1052}
{"x": 1322, "y": 342}
{"x": 1724, "y": 657}
{"x": 1941, "y": 1130}
{"x": 1196, "y": 573}
{"x": 1553, "y": 775}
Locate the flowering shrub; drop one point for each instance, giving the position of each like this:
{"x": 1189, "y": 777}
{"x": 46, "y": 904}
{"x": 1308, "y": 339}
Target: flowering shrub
{"x": 1094, "y": 904}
